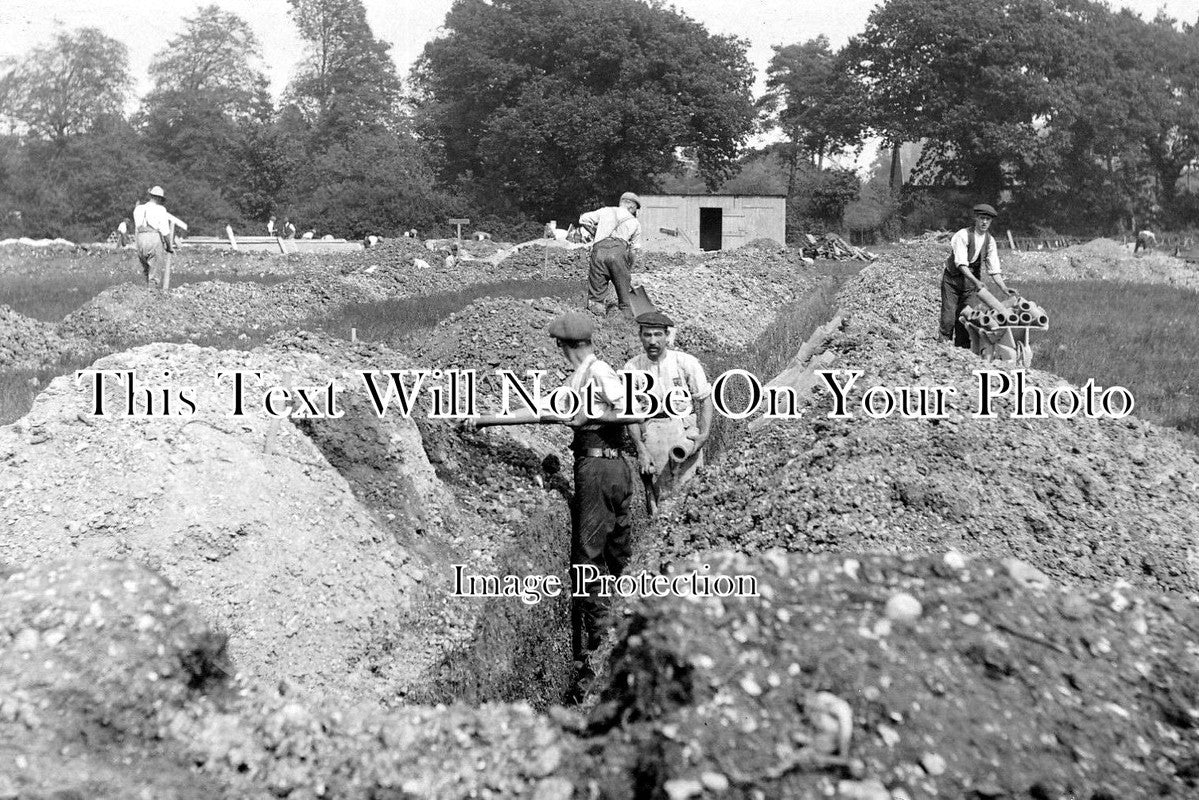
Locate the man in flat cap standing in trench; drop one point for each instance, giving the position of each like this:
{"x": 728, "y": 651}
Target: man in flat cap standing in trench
{"x": 600, "y": 512}
{"x": 972, "y": 247}
{"x": 671, "y": 369}
{"x": 617, "y": 235}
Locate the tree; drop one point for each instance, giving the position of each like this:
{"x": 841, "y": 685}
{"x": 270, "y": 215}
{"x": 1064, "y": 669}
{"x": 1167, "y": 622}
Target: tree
{"x": 810, "y": 100}
{"x": 62, "y": 89}
{"x": 557, "y": 105}
{"x": 215, "y": 64}
{"x": 979, "y": 85}
{"x": 208, "y": 86}
{"x": 347, "y": 81}
{"x": 374, "y": 182}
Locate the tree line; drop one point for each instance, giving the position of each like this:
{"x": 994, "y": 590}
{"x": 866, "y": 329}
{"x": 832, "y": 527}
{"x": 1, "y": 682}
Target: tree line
{"x": 1067, "y": 114}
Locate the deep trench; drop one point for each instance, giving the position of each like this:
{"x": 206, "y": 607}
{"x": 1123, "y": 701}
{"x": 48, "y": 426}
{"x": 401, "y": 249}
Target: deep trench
{"x": 522, "y": 652}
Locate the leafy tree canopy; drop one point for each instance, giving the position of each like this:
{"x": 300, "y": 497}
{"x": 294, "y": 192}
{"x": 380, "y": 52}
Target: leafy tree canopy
{"x": 63, "y": 88}
{"x": 561, "y": 105}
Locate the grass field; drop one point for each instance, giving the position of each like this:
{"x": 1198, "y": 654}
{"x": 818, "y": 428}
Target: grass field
{"x": 1143, "y": 337}
{"x": 51, "y": 297}
{"x": 373, "y": 322}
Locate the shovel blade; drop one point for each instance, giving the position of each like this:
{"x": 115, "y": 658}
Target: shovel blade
{"x": 639, "y": 300}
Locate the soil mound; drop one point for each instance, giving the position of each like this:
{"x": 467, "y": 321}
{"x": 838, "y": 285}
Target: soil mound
{"x": 115, "y": 688}
{"x": 1103, "y": 259}
{"x": 881, "y": 676}
{"x": 242, "y": 512}
{"x": 1085, "y": 500}
{"x": 27, "y": 343}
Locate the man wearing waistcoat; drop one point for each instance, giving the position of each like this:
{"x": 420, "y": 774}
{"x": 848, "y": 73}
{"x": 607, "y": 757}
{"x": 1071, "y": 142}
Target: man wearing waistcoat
{"x": 972, "y": 249}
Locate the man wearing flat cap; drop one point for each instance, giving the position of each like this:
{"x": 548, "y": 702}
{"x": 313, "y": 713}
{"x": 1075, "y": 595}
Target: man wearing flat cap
{"x": 670, "y": 370}
{"x": 973, "y": 248}
{"x": 617, "y": 235}
{"x": 600, "y": 512}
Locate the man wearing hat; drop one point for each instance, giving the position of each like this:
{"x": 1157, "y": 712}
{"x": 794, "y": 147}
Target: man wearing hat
{"x": 601, "y": 521}
{"x": 972, "y": 248}
{"x": 616, "y": 233}
{"x": 670, "y": 369}
{"x": 154, "y": 235}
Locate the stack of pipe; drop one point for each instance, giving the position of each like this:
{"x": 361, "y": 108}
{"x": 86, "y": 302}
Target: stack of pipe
{"x": 1016, "y": 312}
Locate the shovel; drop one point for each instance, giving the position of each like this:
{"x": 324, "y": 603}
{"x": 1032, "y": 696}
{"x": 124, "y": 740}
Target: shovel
{"x": 640, "y": 302}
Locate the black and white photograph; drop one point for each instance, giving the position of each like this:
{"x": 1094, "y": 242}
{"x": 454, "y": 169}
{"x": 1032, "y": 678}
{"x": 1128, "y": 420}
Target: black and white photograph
{"x": 599, "y": 400}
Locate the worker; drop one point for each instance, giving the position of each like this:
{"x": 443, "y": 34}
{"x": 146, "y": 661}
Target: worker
{"x": 123, "y": 232}
{"x": 154, "y": 237}
{"x": 617, "y": 236}
{"x": 670, "y": 369}
{"x": 1145, "y": 240}
{"x": 309, "y": 234}
{"x": 972, "y": 247}
{"x": 270, "y": 226}
{"x": 289, "y": 229}
{"x": 600, "y": 514}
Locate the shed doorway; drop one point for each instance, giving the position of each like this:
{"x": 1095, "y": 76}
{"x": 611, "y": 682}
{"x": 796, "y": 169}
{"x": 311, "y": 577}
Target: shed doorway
{"x": 711, "y": 228}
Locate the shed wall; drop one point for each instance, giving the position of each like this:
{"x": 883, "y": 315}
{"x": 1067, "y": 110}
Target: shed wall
{"x": 745, "y": 218}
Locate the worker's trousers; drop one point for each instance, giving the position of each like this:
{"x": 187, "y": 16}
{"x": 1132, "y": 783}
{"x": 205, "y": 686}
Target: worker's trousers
{"x": 611, "y": 260}
{"x": 956, "y": 294}
{"x": 601, "y": 528}
{"x": 152, "y": 254}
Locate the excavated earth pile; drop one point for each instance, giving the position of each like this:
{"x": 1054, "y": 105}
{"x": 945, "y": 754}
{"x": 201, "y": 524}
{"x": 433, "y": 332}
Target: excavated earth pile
{"x": 1025, "y": 665}
{"x": 243, "y": 513}
{"x": 27, "y": 343}
{"x": 115, "y": 688}
{"x": 95, "y": 261}
{"x": 902, "y": 677}
{"x": 1085, "y": 500}
{"x": 1102, "y": 259}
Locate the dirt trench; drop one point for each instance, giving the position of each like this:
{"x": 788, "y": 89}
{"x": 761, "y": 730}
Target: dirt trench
{"x": 503, "y": 513}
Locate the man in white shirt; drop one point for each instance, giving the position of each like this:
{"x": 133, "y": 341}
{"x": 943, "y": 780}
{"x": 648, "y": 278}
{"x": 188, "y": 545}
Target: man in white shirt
{"x": 1145, "y": 241}
{"x": 270, "y": 226}
{"x": 154, "y": 236}
{"x": 600, "y": 512}
{"x": 617, "y": 234}
{"x": 670, "y": 369}
{"x": 972, "y": 248}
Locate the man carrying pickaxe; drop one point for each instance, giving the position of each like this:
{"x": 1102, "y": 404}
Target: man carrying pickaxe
{"x": 601, "y": 522}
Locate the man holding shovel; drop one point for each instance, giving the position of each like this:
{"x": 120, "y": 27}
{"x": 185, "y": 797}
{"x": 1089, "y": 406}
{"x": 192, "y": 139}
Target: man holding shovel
{"x": 155, "y": 238}
{"x": 617, "y": 235}
{"x": 960, "y": 282}
{"x": 601, "y": 522}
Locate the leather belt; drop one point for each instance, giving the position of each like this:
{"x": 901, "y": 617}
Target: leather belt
{"x": 600, "y": 452}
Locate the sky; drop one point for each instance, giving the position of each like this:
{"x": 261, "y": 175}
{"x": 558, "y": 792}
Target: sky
{"x": 145, "y": 27}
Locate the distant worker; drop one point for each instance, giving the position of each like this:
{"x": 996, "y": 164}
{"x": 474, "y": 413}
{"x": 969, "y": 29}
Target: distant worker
{"x": 289, "y": 229}
{"x": 601, "y": 517}
{"x": 371, "y": 240}
{"x": 308, "y": 234}
{"x": 270, "y": 226}
{"x": 617, "y": 234}
{"x": 1145, "y": 240}
{"x": 154, "y": 237}
{"x": 670, "y": 369}
{"x": 972, "y": 247}
{"x": 123, "y": 232}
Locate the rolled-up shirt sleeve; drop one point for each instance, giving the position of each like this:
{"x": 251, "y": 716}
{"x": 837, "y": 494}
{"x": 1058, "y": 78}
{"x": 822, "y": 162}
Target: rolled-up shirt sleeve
{"x": 993, "y": 267}
{"x": 608, "y": 386}
{"x": 697, "y": 379}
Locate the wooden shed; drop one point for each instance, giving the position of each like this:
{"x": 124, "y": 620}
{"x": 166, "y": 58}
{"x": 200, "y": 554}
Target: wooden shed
{"x": 694, "y": 222}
